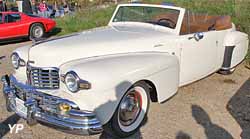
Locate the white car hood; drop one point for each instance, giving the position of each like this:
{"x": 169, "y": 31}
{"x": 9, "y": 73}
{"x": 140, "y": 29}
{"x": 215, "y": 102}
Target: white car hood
{"x": 96, "y": 42}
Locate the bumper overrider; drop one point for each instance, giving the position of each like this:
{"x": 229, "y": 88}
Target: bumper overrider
{"x": 43, "y": 108}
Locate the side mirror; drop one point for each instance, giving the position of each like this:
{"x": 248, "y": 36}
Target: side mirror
{"x": 197, "y": 36}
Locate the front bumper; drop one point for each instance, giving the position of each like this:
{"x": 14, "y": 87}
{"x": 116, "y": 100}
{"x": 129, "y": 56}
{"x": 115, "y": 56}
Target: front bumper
{"x": 42, "y": 108}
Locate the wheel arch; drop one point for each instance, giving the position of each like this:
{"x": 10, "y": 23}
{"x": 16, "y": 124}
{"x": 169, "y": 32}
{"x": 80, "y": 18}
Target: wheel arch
{"x": 152, "y": 90}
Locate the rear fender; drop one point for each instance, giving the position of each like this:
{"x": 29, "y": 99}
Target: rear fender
{"x": 236, "y": 47}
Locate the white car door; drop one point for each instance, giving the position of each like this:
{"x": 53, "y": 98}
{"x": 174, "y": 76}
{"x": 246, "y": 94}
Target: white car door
{"x": 198, "y": 57}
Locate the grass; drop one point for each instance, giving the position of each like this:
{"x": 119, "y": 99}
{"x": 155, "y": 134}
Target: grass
{"x": 239, "y": 10}
{"x": 83, "y": 20}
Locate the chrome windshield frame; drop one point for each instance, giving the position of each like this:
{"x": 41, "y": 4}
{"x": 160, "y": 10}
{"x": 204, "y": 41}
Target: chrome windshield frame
{"x": 174, "y": 31}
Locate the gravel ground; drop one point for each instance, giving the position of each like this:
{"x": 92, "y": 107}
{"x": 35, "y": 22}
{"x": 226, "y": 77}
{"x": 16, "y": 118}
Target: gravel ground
{"x": 210, "y": 108}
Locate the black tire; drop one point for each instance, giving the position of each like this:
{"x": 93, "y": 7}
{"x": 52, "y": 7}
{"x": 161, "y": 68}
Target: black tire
{"x": 113, "y": 127}
{"x": 37, "y": 31}
{"x": 226, "y": 72}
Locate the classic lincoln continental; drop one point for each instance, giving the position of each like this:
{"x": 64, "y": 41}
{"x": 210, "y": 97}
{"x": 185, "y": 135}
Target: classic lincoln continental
{"x": 105, "y": 78}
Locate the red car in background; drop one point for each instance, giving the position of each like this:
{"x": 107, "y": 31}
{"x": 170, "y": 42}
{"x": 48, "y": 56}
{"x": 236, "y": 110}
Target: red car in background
{"x": 17, "y": 24}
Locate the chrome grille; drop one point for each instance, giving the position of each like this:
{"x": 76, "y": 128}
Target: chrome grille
{"x": 43, "y": 78}
{"x": 45, "y": 102}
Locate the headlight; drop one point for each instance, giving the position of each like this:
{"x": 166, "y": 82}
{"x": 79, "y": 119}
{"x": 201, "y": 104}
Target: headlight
{"x": 71, "y": 81}
{"x": 74, "y": 83}
{"x": 17, "y": 61}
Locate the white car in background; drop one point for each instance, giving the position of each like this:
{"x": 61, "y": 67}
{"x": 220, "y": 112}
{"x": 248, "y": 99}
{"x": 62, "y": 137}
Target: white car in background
{"x": 105, "y": 78}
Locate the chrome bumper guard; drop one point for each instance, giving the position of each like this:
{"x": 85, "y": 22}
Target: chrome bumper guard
{"x": 75, "y": 121}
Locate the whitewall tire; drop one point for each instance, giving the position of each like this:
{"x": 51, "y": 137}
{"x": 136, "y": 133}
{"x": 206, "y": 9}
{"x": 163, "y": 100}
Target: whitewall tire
{"x": 131, "y": 112}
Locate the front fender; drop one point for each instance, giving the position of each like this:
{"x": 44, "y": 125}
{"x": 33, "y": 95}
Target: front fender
{"x": 112, "y": 75}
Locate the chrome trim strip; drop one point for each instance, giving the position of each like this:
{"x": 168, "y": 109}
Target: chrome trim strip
{"x": 225, "y": 68}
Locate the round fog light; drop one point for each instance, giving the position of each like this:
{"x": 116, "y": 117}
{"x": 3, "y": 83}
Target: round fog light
{"x": 64, "y": 107}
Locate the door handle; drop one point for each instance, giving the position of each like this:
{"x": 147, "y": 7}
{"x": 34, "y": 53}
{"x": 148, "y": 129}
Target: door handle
{"x": 197, "y": 36}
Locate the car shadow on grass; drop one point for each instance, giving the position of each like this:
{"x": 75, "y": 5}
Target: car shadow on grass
{"x": 239, "y": 108}
{"x": 4, "y": 126}
{"x": 212, "y": 130}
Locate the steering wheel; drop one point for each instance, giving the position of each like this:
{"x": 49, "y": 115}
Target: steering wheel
{"x": 166, "y": 22}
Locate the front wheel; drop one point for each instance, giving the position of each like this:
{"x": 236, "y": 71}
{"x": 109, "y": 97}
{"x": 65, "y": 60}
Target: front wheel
{"x": 131, "y": 112}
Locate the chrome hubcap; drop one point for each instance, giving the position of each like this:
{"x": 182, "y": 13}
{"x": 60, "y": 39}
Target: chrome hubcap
{"x": 38, "y": 32}
{"x": 130, "y": 108}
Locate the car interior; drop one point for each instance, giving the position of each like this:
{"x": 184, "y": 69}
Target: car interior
{"x": 10, "y": 18}
{"x": 193, "y": 23}
{"x": 167, "y": 20}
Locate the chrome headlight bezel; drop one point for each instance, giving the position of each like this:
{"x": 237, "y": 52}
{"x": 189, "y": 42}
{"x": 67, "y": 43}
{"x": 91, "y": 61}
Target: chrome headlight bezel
{"x": 17, "y": 61}
{"x": 73, "y": 87}
{"x": 79, "y": 84}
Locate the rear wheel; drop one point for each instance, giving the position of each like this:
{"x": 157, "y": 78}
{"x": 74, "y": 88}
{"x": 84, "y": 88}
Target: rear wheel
{"x": 36, "y": 31}
{"x": 131, "y": 111}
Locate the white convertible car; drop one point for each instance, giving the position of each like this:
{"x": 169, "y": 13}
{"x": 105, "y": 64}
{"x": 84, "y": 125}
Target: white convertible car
{"x": 105, "y": 78}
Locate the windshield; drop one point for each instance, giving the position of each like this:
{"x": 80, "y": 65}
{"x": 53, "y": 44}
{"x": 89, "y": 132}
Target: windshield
{"x": 154, "y": 15}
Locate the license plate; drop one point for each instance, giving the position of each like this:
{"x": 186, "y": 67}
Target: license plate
{"x": 20, "y": 107}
